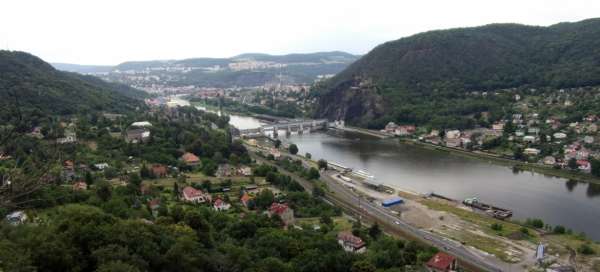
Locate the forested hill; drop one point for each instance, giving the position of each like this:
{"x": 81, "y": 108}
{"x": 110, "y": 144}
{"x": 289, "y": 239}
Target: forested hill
{"x": 432, "y": 71}
{"x": 37, "y": 88}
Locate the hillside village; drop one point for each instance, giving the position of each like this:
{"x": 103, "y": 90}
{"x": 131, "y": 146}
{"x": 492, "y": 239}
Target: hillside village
{"x": 552, "y": 128}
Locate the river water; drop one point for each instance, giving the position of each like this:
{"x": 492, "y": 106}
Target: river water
{"x": 557, "y": 201}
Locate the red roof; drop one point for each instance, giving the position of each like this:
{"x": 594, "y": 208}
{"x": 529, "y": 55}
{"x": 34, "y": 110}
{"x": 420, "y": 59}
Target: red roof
{"x": 190, "y": 158}
{"x": 245, "y": 198}
{"x": 190, "y": 192}
{"x": 441, "y": 261}
{"x": 278, "y": 208}
{"x": 159, "y": 169}
{"x": 349, "y": 238}
{"x": 154, "y": 203}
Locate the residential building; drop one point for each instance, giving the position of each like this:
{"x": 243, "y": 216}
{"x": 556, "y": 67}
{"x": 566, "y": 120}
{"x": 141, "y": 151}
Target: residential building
{"x": 405, "y": 130}
{"x": 285, "y": 213}
{"x": 220, "y": 205}
{"x": 154, "y": 205}
{"x": 498, "y": 126}
{"x": 453, "y": 134}
{"x": 193, "y": 195}
{"x": 159, "y": 170}
{"x": 245, "y": 171}
{"x": 351, "y": 243}
{"x": 390, "y": 127}
{"x": 549, "y": 160}
{"x": 190, "y": 159}
{"x": 69, "y": 138}
{"x": 101, "y": 166}
{"x": 245, "y": 199}
{"x": 137, "y": 135}
{"x": 80, "y": 186}
{"x": 531, "y": 151}
{"x": 442, "y": 262}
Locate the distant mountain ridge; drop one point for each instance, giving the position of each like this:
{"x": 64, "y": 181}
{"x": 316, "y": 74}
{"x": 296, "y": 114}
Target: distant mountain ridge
{"x": 426, "y": 76}
{"x": 42, "y": 90}
{"x": 244, "y": 70}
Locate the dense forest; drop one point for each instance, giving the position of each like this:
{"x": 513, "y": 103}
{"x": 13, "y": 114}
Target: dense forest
{"x": 427, "y": 78}
{"x": 39, "y": 90}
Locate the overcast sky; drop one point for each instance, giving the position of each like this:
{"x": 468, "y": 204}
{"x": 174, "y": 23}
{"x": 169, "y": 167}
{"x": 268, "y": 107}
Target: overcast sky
{"x": 113, "y": 31}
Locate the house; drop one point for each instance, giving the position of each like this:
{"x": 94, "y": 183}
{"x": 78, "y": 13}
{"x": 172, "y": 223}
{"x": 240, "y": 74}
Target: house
{"x": 190, "y": 159}
{"x": 285, "y": 213}
{"x": 275, "y": 152}
{"x": 498, "y": 126}
{"x": 251, "y": 188}
{"x": 193, "y": 195}
{"x": 220, "y": 205}
{"x": 453, "y": 134}
{"x": 226, "y": 170}
{"x": 69, "y": 138}
{"x": 584, "y": 165}
{"x": 16, "y": 217}
{"x": 154, "y": 205}
{"x": 101, "y": 166}
{"x": 588, "y": 139}
{"x": 245, "y": 171}
{"x": 351, "y": 243}
{"x": 137, "y": 135}
{"x": 390, "y": 127}
{"x": 405, "y": 130}
{"x": 159, "y": 170}
{"x": 68, "y": 172}
{"x": 549, "y": 160}
{"x": 531, "y": 151}
{"x": 245, "y": 199}
{"x": 441, "y": 262}
{"x": 529, "y": 139}
{"x": 36, "y": 132}
{"x": 559, "y": 135}
{"x": 80, "y": 186}
{"x": 453, "y": 142}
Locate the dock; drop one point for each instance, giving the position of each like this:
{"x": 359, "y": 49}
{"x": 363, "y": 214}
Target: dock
{"x": 491, "y": 210}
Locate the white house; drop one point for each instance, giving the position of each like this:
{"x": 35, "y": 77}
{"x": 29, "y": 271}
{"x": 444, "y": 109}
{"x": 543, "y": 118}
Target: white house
{"x": 351, "y": 243}
{"x": 195, "y": 196}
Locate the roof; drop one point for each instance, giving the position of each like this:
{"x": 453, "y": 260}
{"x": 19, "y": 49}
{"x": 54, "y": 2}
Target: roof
{"x": 348, "y": 237}
{"x": 245, "y": 197}
{"x": 441, "y": 261}
{"x": 278, "y": 208}
{"x": 190, "y": 192}
{"x": 154, "y": 203}
{"x": 190, "y": 157}
{"x": 141, "y": 124}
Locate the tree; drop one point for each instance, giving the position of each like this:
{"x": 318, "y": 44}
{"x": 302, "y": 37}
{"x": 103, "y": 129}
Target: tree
{"x": 176, "y": 189}
{"x": 322, "y": 164}
{"x": 363, "y": 266}
{"x": 293, "y": 149}
{"x": 313, "y": 173}
{"x": 104, "y": 190}
{"x": 496, "y": 227}
{"x": 374, "y": 231}
{"x": 326, "y": 219}
{"x": 595, "y": 164}
{"x": 572, "y": 164}
{"x": 308, "y": 155}
{"x": 89, "y": 179}
{"x": 264, "y": 199}
{"x": 277, "y": 143}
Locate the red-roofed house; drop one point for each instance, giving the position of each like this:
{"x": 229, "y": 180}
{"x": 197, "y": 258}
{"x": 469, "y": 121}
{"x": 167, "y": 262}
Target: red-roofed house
{"x": 195, "y": 196}
{"x": 159, "y": 170}
{"x": 245, "y": 199}
{"x": 221, "y": 205}
{"x": 190, "y": 159}
{"x": 154, "y": 205}
{"x": 285, "y": 213}
{"x": 351, "y": 243}
{"x": 80, "y": 186}
{"x": 441, "y": 262}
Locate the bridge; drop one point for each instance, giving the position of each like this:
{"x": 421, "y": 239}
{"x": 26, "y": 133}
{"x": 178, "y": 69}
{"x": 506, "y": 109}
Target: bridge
{"x": 289, "y": 126}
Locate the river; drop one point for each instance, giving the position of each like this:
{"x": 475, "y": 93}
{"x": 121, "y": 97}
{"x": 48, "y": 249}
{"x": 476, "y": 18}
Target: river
{"x": 557, "y": 201}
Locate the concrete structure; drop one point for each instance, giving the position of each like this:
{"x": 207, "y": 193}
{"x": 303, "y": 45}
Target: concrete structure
{"x": 289, "y": 126}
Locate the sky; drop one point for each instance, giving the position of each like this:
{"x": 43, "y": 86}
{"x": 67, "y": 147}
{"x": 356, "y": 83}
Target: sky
{"x": 108, "y": 32}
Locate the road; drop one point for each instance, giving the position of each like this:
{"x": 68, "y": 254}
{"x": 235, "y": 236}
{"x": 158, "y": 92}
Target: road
{"x": 340, "y": 194}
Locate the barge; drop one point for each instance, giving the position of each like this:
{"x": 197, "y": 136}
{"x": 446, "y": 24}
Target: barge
{"x": 491, "y": 210}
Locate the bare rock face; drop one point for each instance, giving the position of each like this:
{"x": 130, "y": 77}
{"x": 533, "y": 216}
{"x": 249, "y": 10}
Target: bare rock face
{"x": 354, "y": 101}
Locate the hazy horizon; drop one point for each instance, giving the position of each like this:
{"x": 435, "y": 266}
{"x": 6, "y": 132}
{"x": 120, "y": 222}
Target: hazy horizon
{"x": 112, "y": 32}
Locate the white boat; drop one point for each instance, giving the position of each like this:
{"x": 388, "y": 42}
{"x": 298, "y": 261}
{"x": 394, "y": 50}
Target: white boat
{"x": 364, "y": 174}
